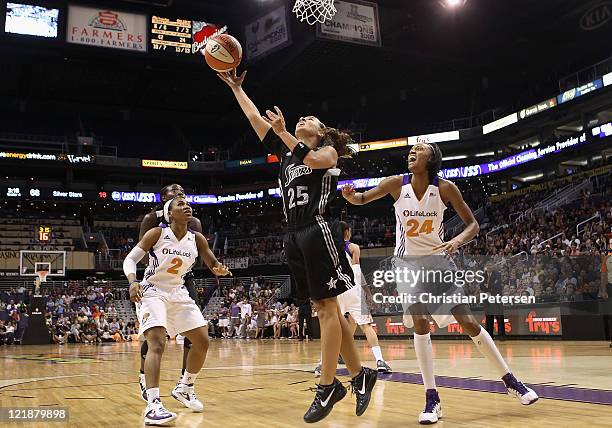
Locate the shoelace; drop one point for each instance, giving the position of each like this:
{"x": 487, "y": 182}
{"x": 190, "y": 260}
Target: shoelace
{"x": 517, "y": 385}
{"x": 318, "y": 393}
{"x": 354, "y": 387}
{"x": 429, "y": 405}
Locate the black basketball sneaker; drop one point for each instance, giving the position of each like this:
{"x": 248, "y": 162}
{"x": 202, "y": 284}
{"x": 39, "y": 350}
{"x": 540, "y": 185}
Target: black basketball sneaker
{"x": 362, "y": 386}
{"x": 325, "y": 398}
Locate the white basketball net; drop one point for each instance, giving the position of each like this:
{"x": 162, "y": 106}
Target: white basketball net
{"x": 313, "y": 11}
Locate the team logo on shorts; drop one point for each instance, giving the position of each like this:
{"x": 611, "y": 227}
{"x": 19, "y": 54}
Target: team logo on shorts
{"x": 332, "y": 283}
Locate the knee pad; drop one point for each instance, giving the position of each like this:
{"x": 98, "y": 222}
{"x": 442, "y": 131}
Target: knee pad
{"x": 144, "y": 348}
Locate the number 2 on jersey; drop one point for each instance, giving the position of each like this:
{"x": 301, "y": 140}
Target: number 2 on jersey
{"x": 413, "y": 230}
{"x": 302, "y": 196}
{"x": 176, "y": 264}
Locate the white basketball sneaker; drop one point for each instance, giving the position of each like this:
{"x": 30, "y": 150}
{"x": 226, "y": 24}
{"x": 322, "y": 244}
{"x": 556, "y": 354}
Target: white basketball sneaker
{"x": 515, "y": 387}
{"x": 186, "y": 395}
{"x": 433, "y": 408}
{"x": 156, "y": 414}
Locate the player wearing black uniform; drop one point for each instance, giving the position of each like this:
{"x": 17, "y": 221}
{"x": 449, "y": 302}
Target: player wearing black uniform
{"x": 151, "y": 220}
{"x": 308, "y": 181}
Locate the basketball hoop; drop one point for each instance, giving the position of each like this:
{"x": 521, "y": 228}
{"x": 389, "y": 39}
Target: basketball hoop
{"x": 313, "y": 11}
{"x": 42, "y": 275}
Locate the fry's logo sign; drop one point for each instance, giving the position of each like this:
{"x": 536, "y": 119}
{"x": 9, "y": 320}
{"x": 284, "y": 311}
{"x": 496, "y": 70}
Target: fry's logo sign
{"x": 542, "y": 325}
{"x": 394, "y": 327}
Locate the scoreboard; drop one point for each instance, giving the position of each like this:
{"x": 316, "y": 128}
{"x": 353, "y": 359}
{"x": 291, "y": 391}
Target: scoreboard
{"x": 172, "y": 35}
{"x": 181, "y": 36}
{"x": 43, "y": 233}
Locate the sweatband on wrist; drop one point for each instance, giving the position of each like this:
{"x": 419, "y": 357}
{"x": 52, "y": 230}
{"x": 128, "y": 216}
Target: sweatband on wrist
{"x": 301, "y": 151}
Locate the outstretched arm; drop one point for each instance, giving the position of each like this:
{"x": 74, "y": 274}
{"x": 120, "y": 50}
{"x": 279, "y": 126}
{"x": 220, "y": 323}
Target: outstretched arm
{"x": 248, "y": 107}
{"x": 389, "y": 186}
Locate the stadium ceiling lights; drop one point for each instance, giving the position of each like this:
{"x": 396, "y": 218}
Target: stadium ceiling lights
{"x": 452, "y": 3}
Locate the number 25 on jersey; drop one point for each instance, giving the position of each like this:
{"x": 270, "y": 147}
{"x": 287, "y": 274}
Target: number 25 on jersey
{"x": 414, "y": 228}
{"x": 300, "y": 193}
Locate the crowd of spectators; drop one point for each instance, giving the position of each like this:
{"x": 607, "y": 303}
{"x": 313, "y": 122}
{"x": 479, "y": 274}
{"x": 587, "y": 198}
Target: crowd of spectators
{"x": 254, "y": 310}
{"x": 72, "y": 314}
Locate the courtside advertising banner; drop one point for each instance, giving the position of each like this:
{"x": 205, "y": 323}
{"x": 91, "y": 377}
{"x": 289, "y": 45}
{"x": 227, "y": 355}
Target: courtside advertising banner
{"x": 354, "y": 22}
{"x": 267, "y": 34}
{"x": 528, "y": 321}
{"x": 106, "y": 28}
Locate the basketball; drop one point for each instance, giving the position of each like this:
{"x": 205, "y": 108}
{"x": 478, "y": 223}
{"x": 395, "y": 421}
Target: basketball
{"x": 223, "y": 53}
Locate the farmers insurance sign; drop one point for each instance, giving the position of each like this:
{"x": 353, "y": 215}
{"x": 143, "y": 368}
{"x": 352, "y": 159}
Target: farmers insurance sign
{"x": 267, "y": 34}
{"x": 106, "y": 28}
{"x": 354, "y": 22}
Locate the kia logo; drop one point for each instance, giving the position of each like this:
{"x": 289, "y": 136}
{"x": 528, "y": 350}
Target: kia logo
{"x": 597, "y": 16}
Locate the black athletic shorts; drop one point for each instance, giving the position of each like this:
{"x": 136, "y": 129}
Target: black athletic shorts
{"x": 190, "y": 286}
{"x": 318, "y": 262}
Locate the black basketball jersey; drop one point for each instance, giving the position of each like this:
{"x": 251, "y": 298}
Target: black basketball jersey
{"x": 159, "y": 212}
{"x": 306, "y": 192}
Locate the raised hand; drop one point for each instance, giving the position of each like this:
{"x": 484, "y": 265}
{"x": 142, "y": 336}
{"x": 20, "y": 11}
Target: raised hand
{"x": 448, "y": 247}
{"x": 276, "y": 120}
{"x": 348, "y": 192}
{"x": 221, "y": 270}
{"x": 232, "y": 79}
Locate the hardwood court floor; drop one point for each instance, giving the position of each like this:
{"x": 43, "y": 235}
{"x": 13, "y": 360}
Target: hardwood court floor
{"x": 265, "y": 384}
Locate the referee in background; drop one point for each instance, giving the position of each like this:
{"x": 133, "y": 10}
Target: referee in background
{"x": 493, "y": 286}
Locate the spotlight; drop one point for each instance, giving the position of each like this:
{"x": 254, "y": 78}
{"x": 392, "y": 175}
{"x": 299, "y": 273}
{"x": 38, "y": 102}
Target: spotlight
{"x": 452, "y": 3}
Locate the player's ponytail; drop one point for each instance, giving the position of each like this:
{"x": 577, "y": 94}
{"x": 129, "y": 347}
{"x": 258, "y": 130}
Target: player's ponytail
{"x": 338, "y": 140}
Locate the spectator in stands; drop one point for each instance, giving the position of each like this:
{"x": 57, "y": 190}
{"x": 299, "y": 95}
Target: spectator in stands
{"x": 292, "y": 322}
{"x": 2, "y": 332}
{"x": 130, "y": 329}
{"x": 115, "y": 330}
{"x": 223, "y": 317}
{"x": 111, "y": 311}
{"x": 58, "y": 334}
{"x": 246, "y": 313}
{"x": 90, "y": 332}
{"x": 75, "y": 331}
{"x": 105, "y": 335}
{"x": 22, "y": 325}
{"x": 260, "y": 310}
{"x": 101, "y": 321}
{"x": 276, "y": 324}
{"x": 235, "y": 310}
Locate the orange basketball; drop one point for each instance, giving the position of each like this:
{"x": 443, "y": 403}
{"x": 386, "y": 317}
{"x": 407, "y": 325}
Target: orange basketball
{"x": 223, "y": 53}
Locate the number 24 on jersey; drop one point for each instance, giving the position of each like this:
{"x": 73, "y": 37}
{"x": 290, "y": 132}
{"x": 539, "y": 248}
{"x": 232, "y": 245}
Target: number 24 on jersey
{"x": 414, "y": 228}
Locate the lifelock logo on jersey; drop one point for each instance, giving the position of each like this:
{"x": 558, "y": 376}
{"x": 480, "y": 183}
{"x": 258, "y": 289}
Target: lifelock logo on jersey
{"x": 176, "y": 252}
{"x": 410, "y": 213}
